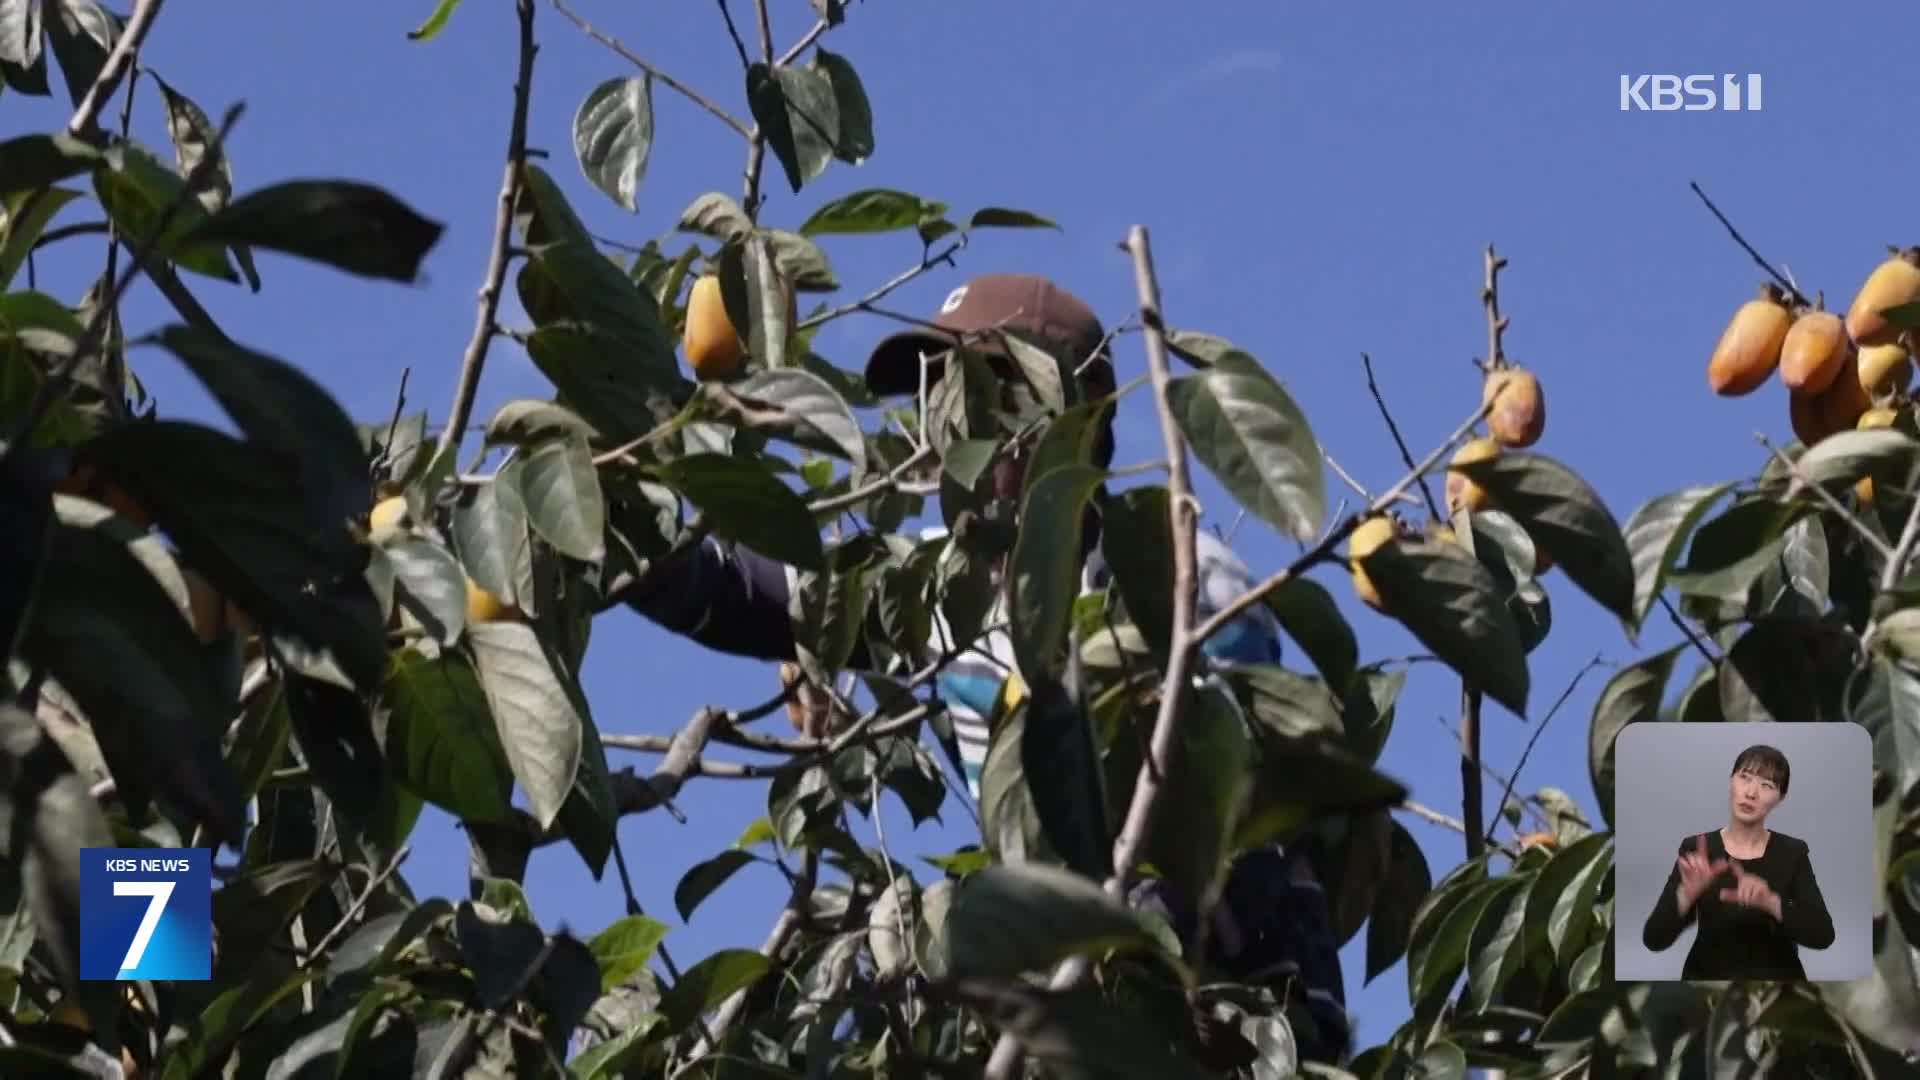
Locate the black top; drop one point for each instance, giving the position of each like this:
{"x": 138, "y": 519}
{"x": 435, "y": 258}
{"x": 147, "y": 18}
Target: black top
{"x": 1737, "y": 942}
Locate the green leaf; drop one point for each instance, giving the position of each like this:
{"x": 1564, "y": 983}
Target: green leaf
{"x": 714, "y": 214}
{"x": 1368, "y": 710}
{"x": 809, "y": 414}
{"x": 1299, "y": 778}
{"x": 1056, "y": 742}
{"x": 1309, "y": 615}
{"x": 540, "y": 727}
{"x": 1206, "y": 785}
{"x": 870, "y": 210}
{"x": 430, "y": 585}
{"x": 137, "y": 189}
{"x": 853, "y": 113}
{"x": 31, "y": 162}
{"x": 1136, "y": 539}
{"x": 1437, "y": 947}
{"x": 743, "y": 501}
{"x": 1046, "y": 564}
{"x": 1077, "y": 1035}
{"x": 1731, "y": 551}
{"x": 703, "y": 878}
{"x": 1566, "y": 518}
{"x": 1008, "y": 920}
{"x": 82, "y": 34}
{"x": 1406, "y": 883}
{"x": 1198, "y": 348}
{"x": 24, "y": 216}
{"x": 803, "y": 263}
{"x": 1287, "y": 703}
{"x": 280, "y": 407}
{"x": 528, "y": 421}
{"x": 435, "y": 23}
{"x": 1446, "y": 598}
{"x": 1496, "y": 946}
{"x": 490, "y": 533}
{"x": 622, "y": 390}
{"x": 710, "y": 982}
{"x": 195, "y": 141}
{"x": 624, "y": 948}
{"x": 1772, "y": 673}
{"x": 1249, "y": 433}
{"x": 1573, "y": 907}
{"x": 1658, "y": 532}
{"x": 613, "y": 137}
{"x": 1846, "y": 456}
{"x": 563, "y": 498}
{"x": 345, "y": 224}
{"x": 139, "y": 676}
{"x": 240, "y": 517}
{"x": 767, "y": 100}
{"x": 1574, "y": 870}
{"x": 1632, "y": 696}
{"x": 40, "y": 322}
{"x": 1000, "y": 217}
{"x": 440, "y": 738}
{"x": 20, "y": 32}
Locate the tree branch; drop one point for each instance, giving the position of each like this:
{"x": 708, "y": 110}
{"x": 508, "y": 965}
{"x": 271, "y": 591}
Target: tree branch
{"x": 1538, "y": 730}
{"x": 1406, "y": 453}
{"x": 87, "y": 113}
{"x": 664, "y": 78}
{"x": 1798, "y": 296}
{"x": 474, "y": 362}
{"x": 784, "y": 927}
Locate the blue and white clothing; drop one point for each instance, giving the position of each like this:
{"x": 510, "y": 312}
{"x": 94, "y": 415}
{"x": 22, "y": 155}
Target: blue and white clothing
{"x": 971, "y": 686}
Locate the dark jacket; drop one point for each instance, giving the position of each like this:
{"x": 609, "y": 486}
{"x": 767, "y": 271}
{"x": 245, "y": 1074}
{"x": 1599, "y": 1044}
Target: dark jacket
{"x": 1736, "y": 942}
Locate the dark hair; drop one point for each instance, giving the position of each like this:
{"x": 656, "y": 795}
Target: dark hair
{"x": 1765, "y": 761}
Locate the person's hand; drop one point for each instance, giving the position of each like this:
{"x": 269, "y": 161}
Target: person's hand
{"x": 1752, "y": 891}
{"x": 1696, "y": 872}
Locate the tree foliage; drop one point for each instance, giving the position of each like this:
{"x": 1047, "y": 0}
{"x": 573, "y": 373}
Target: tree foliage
{"x": 211, "y": 643}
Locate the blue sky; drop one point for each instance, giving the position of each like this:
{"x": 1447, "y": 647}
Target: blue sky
{"x": 1319, "y": 182}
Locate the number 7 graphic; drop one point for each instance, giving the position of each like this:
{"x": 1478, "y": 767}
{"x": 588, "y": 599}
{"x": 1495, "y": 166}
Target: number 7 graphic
{"x": 159, "y": 893}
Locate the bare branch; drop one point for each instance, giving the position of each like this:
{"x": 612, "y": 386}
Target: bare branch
{"x": 664, "y": 78}
{"x": 474, "y": 362}
{"x": 1538, "y": 730}
{"x": 865, "y": 303}
{"x": 1406, "y": 453}
{"x": 1784, "y": 281}
{"x": 87, "y": 113}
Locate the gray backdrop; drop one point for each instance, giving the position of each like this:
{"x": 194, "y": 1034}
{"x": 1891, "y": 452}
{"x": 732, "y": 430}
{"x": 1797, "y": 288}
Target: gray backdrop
{"x": 1670, "y": 782}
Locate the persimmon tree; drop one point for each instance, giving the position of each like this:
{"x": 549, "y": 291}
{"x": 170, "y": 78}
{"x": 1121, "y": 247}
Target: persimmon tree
{"x": 283, "y": 644}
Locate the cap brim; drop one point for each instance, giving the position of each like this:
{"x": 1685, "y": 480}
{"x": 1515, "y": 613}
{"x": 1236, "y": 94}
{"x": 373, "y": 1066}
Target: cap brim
{"x": 893, "y": 368}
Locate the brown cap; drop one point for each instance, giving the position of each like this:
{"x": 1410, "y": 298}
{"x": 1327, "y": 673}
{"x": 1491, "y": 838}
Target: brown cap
{"x": 1024, "y": 302}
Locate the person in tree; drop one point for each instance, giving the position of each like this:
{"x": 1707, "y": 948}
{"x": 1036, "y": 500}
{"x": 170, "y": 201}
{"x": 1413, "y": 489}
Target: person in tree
{"x": 1272, "y": 926}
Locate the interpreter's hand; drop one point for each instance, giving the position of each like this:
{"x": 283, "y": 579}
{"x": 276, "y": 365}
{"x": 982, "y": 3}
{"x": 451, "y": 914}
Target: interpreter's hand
{"x": 1697, "y": 872}
{"x": 1751, "y": 891}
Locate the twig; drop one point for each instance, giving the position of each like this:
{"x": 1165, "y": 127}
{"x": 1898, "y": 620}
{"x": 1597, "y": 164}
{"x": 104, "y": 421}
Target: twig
{"x": 874, "y": 487}
{"x": 665, "y": 79}
{"x": 366, "y": 896}
{"x": 474, "y": 362}
{"x": 1785, "y": 282}
{"x": 1902, "y": 551}
{"x": 1342, "y": 473}
{"x": 928, "y": 262}
{"x": 1324, "y": 548}
{"x": 1538, "y": 730}
{"x": 1406, "y": 454}
{"x": 806, "y": 41}
{"x": 1471, "y": 794}
{"x": 87, "y": 113}
{"x": 1435, "y": 817}
{"x": 1825, "y": 496}
{"x": 1681, "y": 624}
{"x": 733, "y": 32}
{"x": 766, "y": 30}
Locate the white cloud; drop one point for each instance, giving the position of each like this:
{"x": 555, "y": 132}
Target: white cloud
{"x": 1220, "y": 68}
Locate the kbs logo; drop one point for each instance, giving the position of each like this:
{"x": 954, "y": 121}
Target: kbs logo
{"x": 1691, "y": 93}
{"x": 146, "y": 913}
